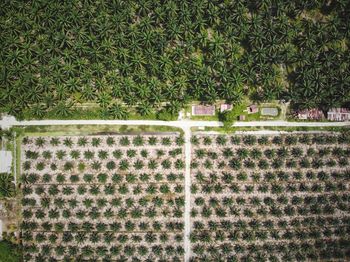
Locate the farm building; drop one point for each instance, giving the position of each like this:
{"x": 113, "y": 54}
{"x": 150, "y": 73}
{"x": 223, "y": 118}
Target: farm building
{"x": 224, "y": 107}
{"x": 338, "y": 114}
{"x": 312, "y": 114}
{"x": 269, "y": 111}
{"x": 202, "y": 110}
{"x": 241, "y": 118}
{"x": 252, "y": 109}
{"x": 5, "y": 161}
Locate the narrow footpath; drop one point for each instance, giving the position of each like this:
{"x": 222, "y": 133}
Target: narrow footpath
{"x": 187, "y": 216}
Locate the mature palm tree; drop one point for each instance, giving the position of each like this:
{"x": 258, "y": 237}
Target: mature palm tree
{"x": 144, "y": 109}
{"x": 63, "y": 108}
{"x": 118, "y": 111}
{"x": 88, "y": 93}
{"x": 7, "y": 187}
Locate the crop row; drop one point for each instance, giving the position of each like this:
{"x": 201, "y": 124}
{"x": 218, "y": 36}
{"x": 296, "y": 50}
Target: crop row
{"x": 269, "y": 200}
{"x": 246, "y": 235}
{"x": 101, "y": 178}
{"x": 206, "y": 212}
{"x": 270, "y": 188}
{"x": 108, "y": 190}
{"x": 270, "y": 152}
{"x": 88, "y": 154}
{"x": 287, "y": 140}
{"x": 130, "y": 226}
{"x": 123, "y": 165}
{"x": 322, "y": 249}
{"x": 280, "y": 176}
{"x": 95, "y": 213}
{"x": 140, "y": 252}
{"x": 246, "y": 223}
{"x": 111, "y": 141}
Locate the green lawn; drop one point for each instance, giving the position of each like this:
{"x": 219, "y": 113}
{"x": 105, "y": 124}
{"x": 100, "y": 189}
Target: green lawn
{"x": 9, "y": 252}
{"x": 90, "y": 129}
{"x": 274, "y": 128}
{"x": 92, "y": 112}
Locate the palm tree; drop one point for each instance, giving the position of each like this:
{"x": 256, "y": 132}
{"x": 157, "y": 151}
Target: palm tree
{"x": 63, "y": 109}
{"x": 117, "y": 111}
{"x": 144, "y": 109}
{"x": 7, "y": 187}
{"x": 88, "y": 92}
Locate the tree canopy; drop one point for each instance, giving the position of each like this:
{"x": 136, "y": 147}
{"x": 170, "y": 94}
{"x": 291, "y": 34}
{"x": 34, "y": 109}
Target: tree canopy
{"x": 54, "y": 55}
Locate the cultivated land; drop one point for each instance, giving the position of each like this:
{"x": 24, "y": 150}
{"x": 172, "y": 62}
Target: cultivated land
{"x": 147, "y": 59}
{"x": 103, "y": 197}
{"x": 97, "y": 188}
{"x": 281, "y": 198}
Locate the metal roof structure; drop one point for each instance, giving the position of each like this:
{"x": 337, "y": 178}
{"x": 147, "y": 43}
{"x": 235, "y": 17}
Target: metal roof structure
{"x": 5, "y": 161}
{"x": 269, "y": 111}
{"x": 224, "y": 107}
{"x": 252, "y": 109}
{"x": 202, "y": 110}
{"x": 338, "y": 114}
{"x": 312, "y": 114}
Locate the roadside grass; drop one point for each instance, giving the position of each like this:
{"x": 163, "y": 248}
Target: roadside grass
{"x": 10, "y": 252}
{"x": 60, "y": 130}
{"x": 240, "y": 109}
{"x": 91, "y": 113}
{"x": 272, "y": 128}
{"x": 207, "y": 118}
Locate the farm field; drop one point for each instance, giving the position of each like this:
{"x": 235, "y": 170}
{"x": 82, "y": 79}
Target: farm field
{"x": 148, "y": 59}
{"x": 275, "y": 198}
{"x": 103, "y": 197}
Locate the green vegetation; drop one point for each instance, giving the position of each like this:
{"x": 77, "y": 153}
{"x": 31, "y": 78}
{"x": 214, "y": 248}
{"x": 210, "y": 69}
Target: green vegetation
{"x": 9, "y": 252}
{"x": 270, "y": 198}
{"x": 274, "y": 128}
{"x": 122, "y": 197}
{"x": 90, "y": 129}
{"x": 7, "y": 187}
{"x": 123, "y": 59}
{"x": 229, "y": 117}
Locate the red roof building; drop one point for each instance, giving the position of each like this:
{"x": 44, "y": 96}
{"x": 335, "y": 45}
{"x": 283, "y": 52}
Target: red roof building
{"x": 338, "y": 114}
{"x": 241, "y": 118}
{"x": 311, "y": 114}
{"x": 202, "y": 110}
{"x": 252, "y": 109}
{"x": 224, "y": 107}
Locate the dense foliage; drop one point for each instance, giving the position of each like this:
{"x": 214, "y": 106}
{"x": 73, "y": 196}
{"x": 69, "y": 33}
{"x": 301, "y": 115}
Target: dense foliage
{"x": 54, "y": 55}
{"x": 100, "y": 198}
{"x": 282, "y": 198}
{"x": 10, "y": 252}
{"x": 7, "y": 186}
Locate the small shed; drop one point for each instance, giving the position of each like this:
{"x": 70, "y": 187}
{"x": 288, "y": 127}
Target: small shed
{"x": 338, "y": 114}
{"x": 203, "y": 110}
{"x": 252, "y": 109}
{"x": 269, "y": 111}
{"x": 241, "y": 117}
{"x": 225, "y": 107}
{"x": 5, "y": 161}
{"x": 302, "y": 115}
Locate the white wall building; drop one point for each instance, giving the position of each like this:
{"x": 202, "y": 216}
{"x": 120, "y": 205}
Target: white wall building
{"x": 5, "y": 161}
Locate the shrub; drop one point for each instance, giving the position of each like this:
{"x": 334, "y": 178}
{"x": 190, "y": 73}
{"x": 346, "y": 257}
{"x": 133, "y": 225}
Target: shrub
{"x": 138, "y": 141}
{"x": 110, "y": 141}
